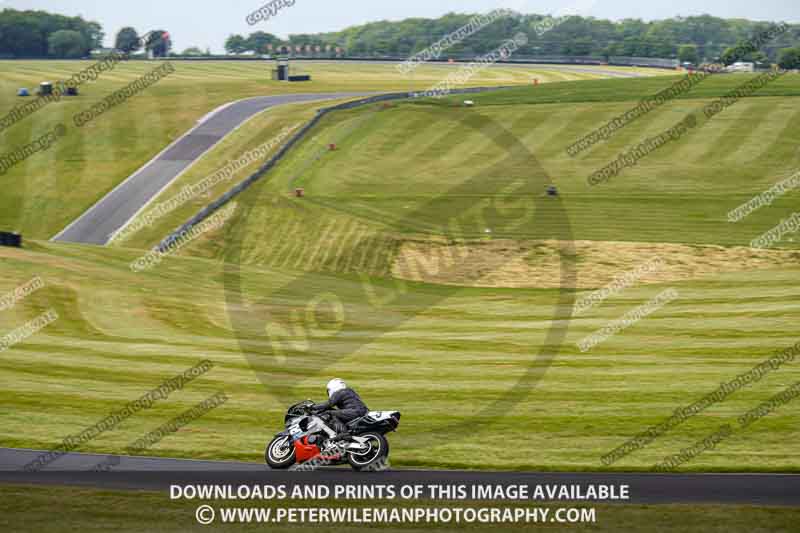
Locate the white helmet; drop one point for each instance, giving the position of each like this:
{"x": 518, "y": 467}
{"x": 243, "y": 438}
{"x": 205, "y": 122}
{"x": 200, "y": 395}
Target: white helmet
{"x": 335, "y": 385}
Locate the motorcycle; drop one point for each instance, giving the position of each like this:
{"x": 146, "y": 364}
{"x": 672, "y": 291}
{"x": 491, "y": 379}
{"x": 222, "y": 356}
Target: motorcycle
{"x": 308, "y": 440}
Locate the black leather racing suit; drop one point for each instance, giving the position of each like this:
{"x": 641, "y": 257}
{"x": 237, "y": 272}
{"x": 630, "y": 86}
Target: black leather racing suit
{"x": 348, "y": 404}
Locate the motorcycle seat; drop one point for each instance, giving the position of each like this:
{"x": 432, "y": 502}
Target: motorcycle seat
{"x": 355, "y": 421}
{"x": 372, "y": 417}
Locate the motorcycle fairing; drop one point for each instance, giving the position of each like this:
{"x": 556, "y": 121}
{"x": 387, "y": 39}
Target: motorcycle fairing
{"x": 305, "y": 451}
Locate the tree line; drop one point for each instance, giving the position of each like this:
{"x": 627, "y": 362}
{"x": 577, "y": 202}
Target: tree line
{"x": 698, "y": 39}
{"x": 695, "y": 39}
{"x": 41, "y": 34}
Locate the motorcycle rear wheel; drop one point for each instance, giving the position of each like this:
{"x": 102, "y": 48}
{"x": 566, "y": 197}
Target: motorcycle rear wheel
{"x": 280, "y": 453}
{"x": 374, "y": 458}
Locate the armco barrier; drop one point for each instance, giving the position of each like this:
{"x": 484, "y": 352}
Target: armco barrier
{"x": 647, "y": 62}
{"x": 274, "y": 160}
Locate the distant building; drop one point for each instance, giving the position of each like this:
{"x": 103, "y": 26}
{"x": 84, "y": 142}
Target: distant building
{"x": 741, "y": 67}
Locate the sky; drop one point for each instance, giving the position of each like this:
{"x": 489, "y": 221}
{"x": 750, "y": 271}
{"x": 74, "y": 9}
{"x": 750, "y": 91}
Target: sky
{"x": 207, "y": 23}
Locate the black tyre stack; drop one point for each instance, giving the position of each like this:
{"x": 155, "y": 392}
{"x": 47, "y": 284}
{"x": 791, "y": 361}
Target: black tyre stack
{"x": 13, "y": 240}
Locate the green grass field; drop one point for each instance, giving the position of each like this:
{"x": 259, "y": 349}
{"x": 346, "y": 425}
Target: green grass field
{"x": 663, "y": 199}
{"x": 63, "y": 509}
{"x": 49, "y": 190}
{"x": 407, "y": 182}
{"x": 450, "y": 356}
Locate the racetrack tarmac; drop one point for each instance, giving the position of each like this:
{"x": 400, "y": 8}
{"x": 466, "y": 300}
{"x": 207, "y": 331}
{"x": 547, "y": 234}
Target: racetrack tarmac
{"x": 150, "y": 473}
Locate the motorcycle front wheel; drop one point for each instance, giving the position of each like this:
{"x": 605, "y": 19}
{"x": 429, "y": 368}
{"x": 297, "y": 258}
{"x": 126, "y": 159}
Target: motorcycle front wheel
{"x": 374, "y": 457}
{"x": 280, "y": 453}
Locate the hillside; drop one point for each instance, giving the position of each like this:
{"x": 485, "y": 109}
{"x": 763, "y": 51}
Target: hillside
{"x": 384, "y": 273}
{"x": 45, "y": 193}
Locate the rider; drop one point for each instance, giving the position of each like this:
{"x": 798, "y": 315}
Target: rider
{"x": 347, "y": 402}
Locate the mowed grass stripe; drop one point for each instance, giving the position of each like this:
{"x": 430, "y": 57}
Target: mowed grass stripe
{"x": 729, "y": 128}
{"x": 783, "y": 146}
{"x": 760, "y": 133}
